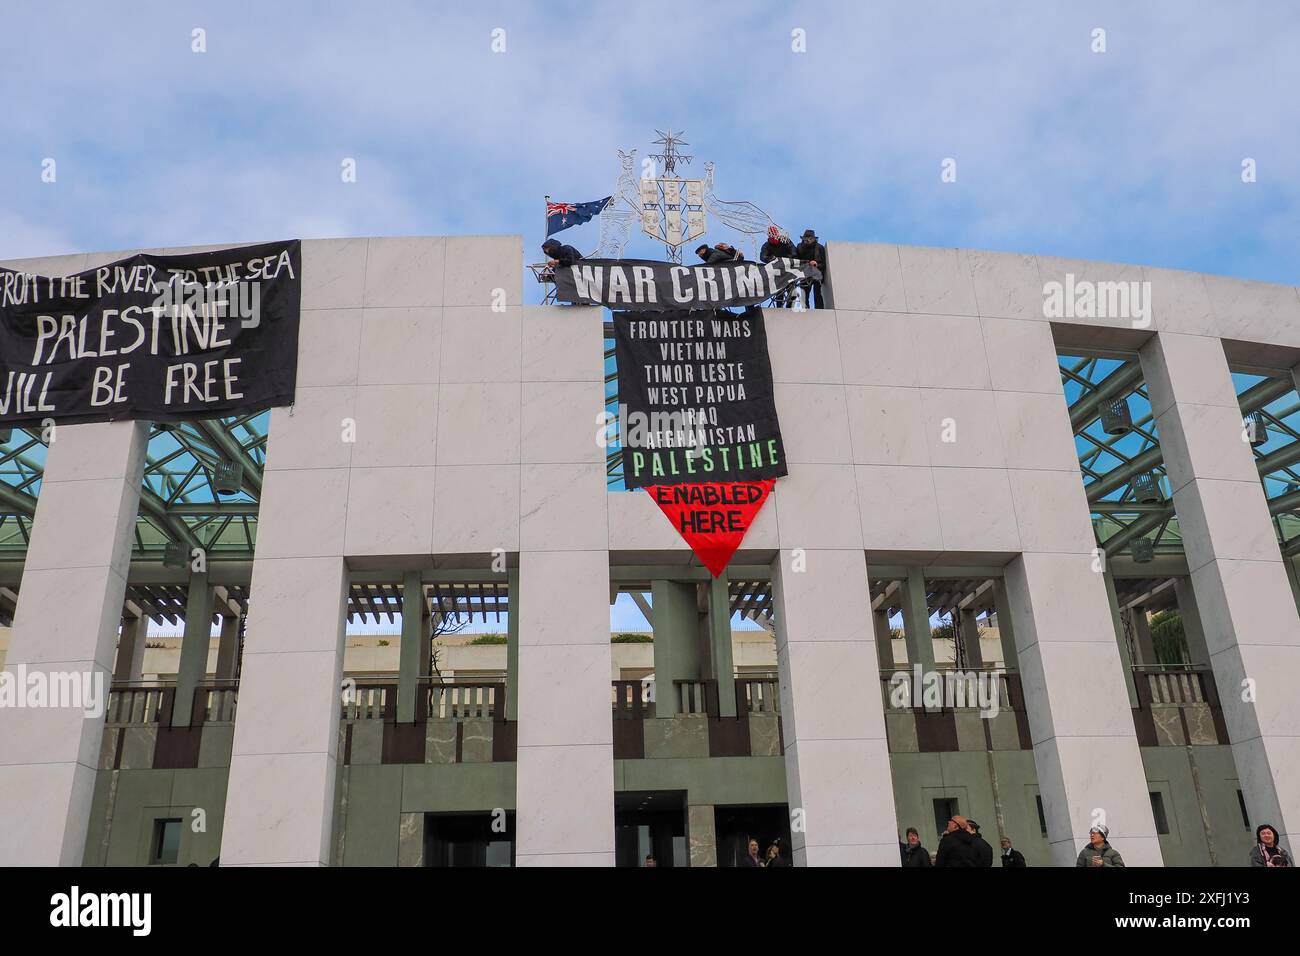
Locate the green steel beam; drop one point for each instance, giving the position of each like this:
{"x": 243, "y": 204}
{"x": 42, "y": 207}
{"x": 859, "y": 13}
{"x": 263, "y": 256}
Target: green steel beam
{"x": 225, "y": 442}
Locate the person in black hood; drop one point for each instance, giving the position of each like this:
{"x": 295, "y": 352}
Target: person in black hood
{"x": 983, "y": 852}
{"x": 913, "y": 853}
{"x": 810, "y": 250}
{"x": 1267, "y": 850}
{"x": 955, "y": 845}
{"x": 558, "y": 254}
{"x": 714, "y": 254}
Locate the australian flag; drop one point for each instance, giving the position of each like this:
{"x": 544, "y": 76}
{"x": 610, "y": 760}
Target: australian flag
{"x": 562, "y": 215}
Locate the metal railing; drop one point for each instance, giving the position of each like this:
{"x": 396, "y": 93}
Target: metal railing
{"x": 758, "y": 695}
{"x": 435, "y": 700}
{"x": 153, "y": 702}
{"x": 629, "y": 700}
{"x": 371, "y": 700}
{"x": 1179, "y": 687}
{"x": 140, "y": 702}
{"x": 215, "y": 700}
{"x": 696, "y": 696}
{"x": 455, "y": 701}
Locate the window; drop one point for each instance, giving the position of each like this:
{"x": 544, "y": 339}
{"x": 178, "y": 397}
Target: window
{"x": 469, "y": 839}
{"x": 1042, "y": 817}
{"x": 1158, "y": 811}
{"x": 945, "y": 808}
{"x": 166, "y": 841}
{"x": 1245, "y": 817}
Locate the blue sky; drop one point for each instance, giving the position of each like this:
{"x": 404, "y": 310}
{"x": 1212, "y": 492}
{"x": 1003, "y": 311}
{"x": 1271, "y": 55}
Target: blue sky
{"x": 1132, "y": 155}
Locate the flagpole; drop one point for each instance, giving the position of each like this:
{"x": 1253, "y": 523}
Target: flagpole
{"x": 546, "y": 217}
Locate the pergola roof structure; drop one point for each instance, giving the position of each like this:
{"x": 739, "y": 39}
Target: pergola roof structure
{"x": 178, "y": 500}
{"x": 1110, "y": 464}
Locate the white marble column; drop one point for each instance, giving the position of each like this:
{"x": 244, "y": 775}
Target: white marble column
{"x": 836, "y": 754}
{"x": 66, "y": 622}
{"x": 1252, "y": 631}
{"x": 1085, "y": 747}
{"x": 280, "y": 800}
{"x": 565, "y": 771}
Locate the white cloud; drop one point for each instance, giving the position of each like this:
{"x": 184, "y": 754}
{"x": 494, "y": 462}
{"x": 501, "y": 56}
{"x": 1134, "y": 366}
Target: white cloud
{"x": 1134, "y": 153}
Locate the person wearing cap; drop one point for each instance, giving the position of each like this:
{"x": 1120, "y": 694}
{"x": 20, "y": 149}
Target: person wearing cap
{"x": 983, "y": 852}
{"x": 913, "y": 853}
{"x": 1010, "y": 855}
{"x": 955, "y": 845}
{"x": 1267, "y": 850}
{"x": 558, "y": 254}
{"x": 812, "y": 251}
{"x": 1098, "y": 852}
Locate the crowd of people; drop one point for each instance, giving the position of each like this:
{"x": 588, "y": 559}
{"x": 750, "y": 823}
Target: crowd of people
{"x": 779, "y": 246}
{"x": 962, "y": 845}
{"x": 774, "y": 857}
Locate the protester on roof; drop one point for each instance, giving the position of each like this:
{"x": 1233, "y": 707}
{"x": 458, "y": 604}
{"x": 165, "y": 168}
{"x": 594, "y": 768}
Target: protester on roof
{"x": 778, "y": 246}
{"x": 813, "y": 252}
{"x": 712, "y": 255}
{"x": 558, "y": 254}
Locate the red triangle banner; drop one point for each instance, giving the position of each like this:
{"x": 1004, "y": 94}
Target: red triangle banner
{"x": 712, "y": 516}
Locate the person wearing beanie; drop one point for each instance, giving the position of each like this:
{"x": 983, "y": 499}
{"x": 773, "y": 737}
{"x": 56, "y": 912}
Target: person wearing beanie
{"x": 1098, "y": 852}
{"x": 1267, "y": 850}
{"x": 983, "y": 852}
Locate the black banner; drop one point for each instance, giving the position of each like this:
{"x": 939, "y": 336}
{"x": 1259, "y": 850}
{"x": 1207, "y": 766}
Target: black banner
{"x": 164, "y": 338}
{"x": 695, "y": 398}
{"x": 634, "y": 284}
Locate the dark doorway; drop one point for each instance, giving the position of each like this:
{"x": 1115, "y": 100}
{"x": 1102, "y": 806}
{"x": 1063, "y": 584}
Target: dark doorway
{"x": 945, "y": 808}
{"x": 469, "y": 839}
{"x": 736, "y": 826}
{"x": 650, "y": 823}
